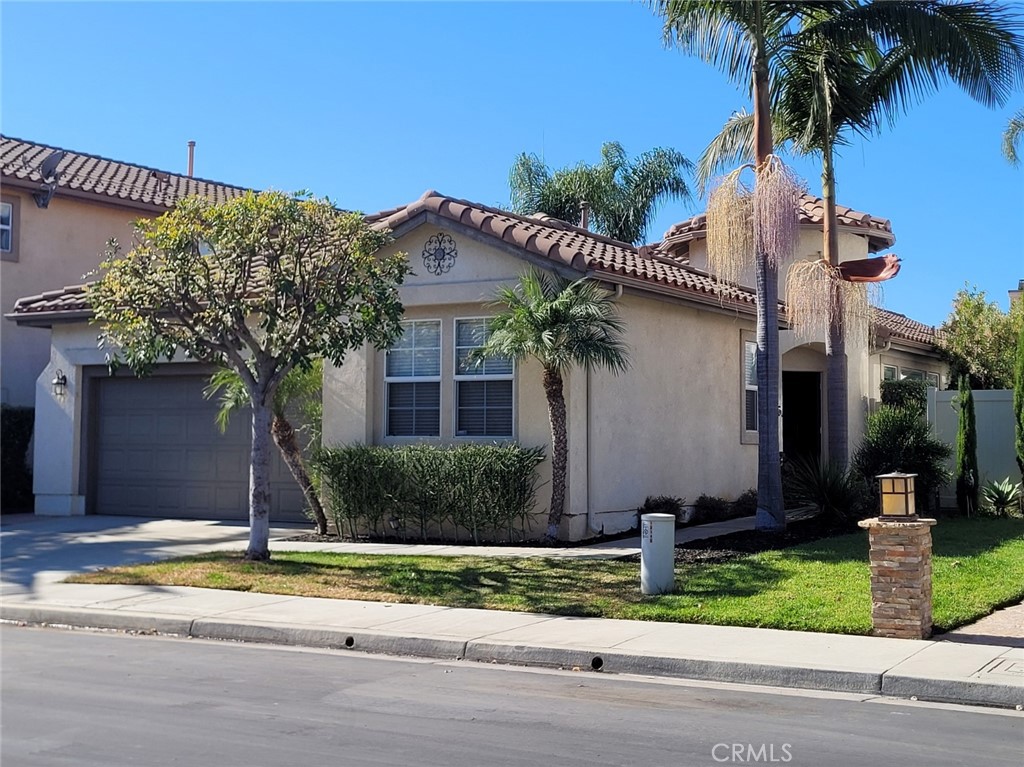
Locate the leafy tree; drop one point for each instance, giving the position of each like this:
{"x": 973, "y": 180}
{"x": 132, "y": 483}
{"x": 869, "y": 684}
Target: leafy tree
{"x": 967, "y": 478}
{"x": 262, "y": 284}
{"x": 624, "y": 195}
{"x": 851, "y": 67}
{"x": 1012, "y": 136}
{"x": 300, "y": 389}
{"x": 562, "y": 325}
{"x": 979, "y": 339}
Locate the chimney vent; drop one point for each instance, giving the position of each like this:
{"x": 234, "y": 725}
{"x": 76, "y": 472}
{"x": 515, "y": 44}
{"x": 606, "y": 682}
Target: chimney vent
{"x": 191, "y": 157}
{"x": 585, "y": 215}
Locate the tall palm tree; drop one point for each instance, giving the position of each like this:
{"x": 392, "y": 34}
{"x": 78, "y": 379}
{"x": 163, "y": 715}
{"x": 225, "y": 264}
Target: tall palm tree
{"x": 750, "y": 39}
{"x": 562, "y": 324}
{"x": 300, "y": 389}
{"x": 853, "y": 68}
{"x": 1012, "y": 136}
{"x": 624, "y": 195}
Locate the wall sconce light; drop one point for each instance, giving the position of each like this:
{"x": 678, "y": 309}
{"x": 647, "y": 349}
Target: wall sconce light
{"x": 60, "y": 383}
{"x": 896, "y": 492}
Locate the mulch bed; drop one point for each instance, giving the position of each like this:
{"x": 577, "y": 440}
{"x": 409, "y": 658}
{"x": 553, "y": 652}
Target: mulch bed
{"x": 725, "y": 548}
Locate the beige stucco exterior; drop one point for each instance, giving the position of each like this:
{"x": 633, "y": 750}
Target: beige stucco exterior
{"x": 56, "y": 246}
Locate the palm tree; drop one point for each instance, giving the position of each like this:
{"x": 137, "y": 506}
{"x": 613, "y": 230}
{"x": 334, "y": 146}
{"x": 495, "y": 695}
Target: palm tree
{"x": 299, "y": 389}
{"x": 623, "y": 195}
{"x": 1012, "y": 136}
{"x": 561, "y": 324}
{"x": 836, "y": 80}
{"x": 910, "y": 45}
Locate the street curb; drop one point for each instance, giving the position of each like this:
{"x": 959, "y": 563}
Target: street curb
{"x": 689, "y": 668}
{"x": 333, "y": 638}
{"x": 953, "y": 691}
{"x": 886, "y": 684}
{"x": 85, "y": 617}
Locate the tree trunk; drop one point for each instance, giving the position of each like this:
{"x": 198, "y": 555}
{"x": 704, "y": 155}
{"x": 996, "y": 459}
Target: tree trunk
{"x": 771, "y": 513}
{"x": 837, "y": 365}
{"x": 559, "y": 448}
{"x": 284, "y": 438}
{"x": 259, "y": 483}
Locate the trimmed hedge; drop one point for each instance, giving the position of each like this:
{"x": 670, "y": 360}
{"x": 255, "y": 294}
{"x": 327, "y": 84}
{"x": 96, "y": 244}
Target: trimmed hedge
{"x": 483, "y": 492}
{"x": 16, "y": 424}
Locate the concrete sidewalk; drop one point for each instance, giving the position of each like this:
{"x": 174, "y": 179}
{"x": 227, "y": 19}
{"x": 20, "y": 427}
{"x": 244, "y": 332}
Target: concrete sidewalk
{"x": 40, "y": 552}
{"x": 929, "y": 670}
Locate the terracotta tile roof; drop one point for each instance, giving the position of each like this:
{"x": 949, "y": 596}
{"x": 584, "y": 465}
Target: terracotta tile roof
{"x": 900, "y": 326}
{"x": 567, "y": 245}
{"x": 83, "y": 174}
{"x": 812, "y": 212}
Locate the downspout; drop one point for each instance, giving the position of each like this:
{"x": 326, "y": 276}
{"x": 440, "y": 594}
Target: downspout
{"x": 591, "y": 513}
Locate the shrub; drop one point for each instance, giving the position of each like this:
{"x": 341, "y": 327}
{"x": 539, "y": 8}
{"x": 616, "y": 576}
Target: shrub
{"x": 424, "y": 491}
{"x": 898, "y": 439}
{"x": 906, "y": 393}
{"x": 711, "y": 508}
{"x": 842, "y": 495}
{"x": 663, "y": 504}
{"x": 746, "y": 504}
{"x": 1001, "y": 498}
{"x": 16, "y": 424}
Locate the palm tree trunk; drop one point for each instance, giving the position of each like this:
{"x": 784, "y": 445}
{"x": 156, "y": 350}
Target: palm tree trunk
{"x": 553, "y": 388}
{"x": 835, "y": 344}
{"x": 771, "y": 514}
{"x": 288, "y": 445}
{"x": 259, "y": 483}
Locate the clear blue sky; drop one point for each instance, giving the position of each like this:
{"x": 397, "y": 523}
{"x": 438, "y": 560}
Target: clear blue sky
{"x": 371, "y": 104}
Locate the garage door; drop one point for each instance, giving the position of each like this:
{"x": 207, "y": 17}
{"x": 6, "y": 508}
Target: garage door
{"x": 158, "y": 452}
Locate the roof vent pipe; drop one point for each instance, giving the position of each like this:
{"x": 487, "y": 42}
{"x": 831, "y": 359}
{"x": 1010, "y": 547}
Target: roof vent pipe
{"x": 191, "y": 157}
{"x": 585, "y": 215}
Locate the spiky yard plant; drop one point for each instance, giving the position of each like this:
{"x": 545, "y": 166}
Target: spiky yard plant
{"x": 562, "y": 324}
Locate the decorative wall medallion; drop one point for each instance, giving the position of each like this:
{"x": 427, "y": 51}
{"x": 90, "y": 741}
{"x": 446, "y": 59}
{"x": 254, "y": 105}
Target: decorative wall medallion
{"x": 439, "y": 253}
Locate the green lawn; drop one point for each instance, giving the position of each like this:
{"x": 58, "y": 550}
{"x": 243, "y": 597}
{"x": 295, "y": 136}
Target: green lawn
{"x": 821, "y": 586}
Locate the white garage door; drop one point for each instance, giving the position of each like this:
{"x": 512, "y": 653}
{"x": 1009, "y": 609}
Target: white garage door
{"x": 159, "y": 453}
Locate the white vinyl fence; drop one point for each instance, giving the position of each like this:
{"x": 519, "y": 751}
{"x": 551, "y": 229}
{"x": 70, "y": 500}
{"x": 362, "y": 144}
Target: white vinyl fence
{"x": 993, "y": 412}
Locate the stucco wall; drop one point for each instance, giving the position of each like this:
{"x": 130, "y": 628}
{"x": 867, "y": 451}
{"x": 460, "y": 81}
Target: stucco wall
{"x": 57, "y": 246}
{"x": 670, "y": 425}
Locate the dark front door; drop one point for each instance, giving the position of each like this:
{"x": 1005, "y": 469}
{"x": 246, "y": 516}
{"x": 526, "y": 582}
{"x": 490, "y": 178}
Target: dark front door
{"x": 801, "y": 415}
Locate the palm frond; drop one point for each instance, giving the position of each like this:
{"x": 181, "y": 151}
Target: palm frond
{"x": 1012, "y": 136}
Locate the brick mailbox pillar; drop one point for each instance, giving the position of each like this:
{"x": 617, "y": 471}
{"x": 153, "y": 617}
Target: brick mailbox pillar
{"x": 901, "y": 577}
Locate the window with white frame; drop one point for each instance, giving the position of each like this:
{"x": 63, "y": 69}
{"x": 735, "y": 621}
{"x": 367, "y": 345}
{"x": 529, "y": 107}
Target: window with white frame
{"x": 412, "y": 376}
{"x": 893, "y": 373}
{"x": 483, "y": 389}
{"x": 749, "y": 386}
{"x": 6, "y": 227}
{"x": 890, "y": 373}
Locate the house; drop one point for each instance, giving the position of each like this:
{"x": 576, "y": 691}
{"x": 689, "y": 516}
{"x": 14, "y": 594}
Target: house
{"x": 679, "y": 422}
{"x": 141, "y": 436}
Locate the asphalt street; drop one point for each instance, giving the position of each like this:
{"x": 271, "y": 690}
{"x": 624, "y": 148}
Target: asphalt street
{"x": 85, "y": 698}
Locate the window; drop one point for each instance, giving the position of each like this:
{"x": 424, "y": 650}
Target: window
{"x": 889, "y": 373}
{"x": 913, "y": 375}
{"x": 483, "y": 390}
{"x": 749, "y": 386}
{"x": 9, "y": 210}
{"x": 412, "y": 375}
{"x": 932, "y": 379}
{"x": 6, "y": 227}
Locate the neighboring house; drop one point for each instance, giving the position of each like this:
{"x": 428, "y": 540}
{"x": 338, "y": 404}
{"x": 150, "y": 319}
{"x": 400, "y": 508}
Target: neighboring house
{"x": 680, "y": 421}
{"x": 127, "y": 445}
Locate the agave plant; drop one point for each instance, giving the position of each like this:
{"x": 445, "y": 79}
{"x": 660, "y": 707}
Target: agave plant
{"x": 1002, "y": 498}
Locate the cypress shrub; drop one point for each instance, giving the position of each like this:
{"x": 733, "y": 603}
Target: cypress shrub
{"x": 1018, "y": 401}
{"x": 966, "y": 452}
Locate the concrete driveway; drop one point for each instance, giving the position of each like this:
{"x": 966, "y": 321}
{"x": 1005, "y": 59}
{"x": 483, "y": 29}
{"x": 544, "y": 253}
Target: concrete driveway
{"x": 35, "y": 551}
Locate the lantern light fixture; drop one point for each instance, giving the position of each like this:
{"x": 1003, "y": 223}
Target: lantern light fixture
{"x": 59, "y": 383}
{"x": 896, "y": 495}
